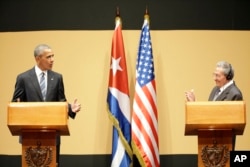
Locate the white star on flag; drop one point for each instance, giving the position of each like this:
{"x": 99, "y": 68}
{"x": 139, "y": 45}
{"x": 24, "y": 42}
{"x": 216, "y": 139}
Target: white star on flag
{"x": 115, "y": 65}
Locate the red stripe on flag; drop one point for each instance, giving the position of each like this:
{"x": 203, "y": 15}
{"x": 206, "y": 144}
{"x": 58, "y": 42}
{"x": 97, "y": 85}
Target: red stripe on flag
{"x": 139, "y": 145}
{"x": 150, "y": 99}
{"x": 146, "y": 138}
{"x": 146, "y": 114}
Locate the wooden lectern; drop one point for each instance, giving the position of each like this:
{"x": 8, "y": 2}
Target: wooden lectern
{"x": 216, "y": 123}
{"x": 38, "y": 123}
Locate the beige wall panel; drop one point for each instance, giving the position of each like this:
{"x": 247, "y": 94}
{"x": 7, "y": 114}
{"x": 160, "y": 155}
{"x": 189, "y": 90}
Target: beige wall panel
{"x": 183, "y": 60}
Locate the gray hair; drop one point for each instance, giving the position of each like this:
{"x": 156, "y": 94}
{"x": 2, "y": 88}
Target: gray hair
{"x": 227, "y": 69}
{"x": 39, "y": 49}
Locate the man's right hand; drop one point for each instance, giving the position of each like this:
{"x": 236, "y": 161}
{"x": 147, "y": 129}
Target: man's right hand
{"x": 190, "y": 95}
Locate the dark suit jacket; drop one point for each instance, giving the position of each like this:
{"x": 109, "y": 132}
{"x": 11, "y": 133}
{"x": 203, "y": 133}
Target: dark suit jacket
{"x": 27, "y": 88}
{"x": 231, "y": 93}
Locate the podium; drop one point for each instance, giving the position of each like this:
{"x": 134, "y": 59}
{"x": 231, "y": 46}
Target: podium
{"x": 38, "y": 124}
{"x": 216, "y": 123}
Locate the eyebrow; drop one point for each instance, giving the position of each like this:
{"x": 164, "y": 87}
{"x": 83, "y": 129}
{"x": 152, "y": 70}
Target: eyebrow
{"x": 50, "y": 55}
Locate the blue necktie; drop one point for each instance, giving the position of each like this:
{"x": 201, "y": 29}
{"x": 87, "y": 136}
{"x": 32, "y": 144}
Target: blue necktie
{"x": 42, "y": 85}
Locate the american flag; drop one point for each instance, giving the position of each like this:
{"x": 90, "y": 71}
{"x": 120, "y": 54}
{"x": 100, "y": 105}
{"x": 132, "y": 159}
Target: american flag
{"x": 144, "y": 117}
{"x": 119, "y": 103}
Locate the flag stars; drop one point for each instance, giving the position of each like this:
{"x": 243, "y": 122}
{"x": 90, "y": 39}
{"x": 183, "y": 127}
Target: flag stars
{"x": 115, "y": 65}
{"x": 145, "y": 67}
{"x": 142, "y": 82}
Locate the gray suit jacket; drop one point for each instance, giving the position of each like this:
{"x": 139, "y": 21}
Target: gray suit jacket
{"x": 231, "y": 93}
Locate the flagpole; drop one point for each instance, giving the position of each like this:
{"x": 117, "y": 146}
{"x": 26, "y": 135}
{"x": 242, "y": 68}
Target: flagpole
{"x": 117, "y": 17}
{"x": 117, "y": 12}
{"x": 146, "y": 16}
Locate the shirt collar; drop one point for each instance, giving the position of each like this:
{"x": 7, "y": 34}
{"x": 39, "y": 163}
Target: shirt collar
{"x": 226, "y": 85}
{"x": 39, "y": 71}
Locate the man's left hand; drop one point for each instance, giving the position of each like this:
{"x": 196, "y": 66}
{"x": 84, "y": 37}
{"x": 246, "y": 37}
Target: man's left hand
{"x": 75, "y": 106}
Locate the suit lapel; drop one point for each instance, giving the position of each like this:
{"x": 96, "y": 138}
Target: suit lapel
{"x": 211, "y": 97}
{"x": 35, "y": 83}
{"x": 50, "y": 81}
{"x": 224, "y": 94}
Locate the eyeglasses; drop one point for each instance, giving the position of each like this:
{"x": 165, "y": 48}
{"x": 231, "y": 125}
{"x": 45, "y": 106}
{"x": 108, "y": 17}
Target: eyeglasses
{"x": 216, "y": 75}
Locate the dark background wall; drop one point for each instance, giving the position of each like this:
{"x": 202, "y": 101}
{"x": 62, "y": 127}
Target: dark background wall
{"x": 26, "y": 15}
{"x": 104, "y": 161}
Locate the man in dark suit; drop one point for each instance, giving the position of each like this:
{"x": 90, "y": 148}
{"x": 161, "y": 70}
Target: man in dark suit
{"x": 225, "y": 88}
{"x": 42, "y": 84}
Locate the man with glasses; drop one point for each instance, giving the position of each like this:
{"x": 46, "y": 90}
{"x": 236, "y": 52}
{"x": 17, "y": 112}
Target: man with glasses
{"x": 225, "y": 88}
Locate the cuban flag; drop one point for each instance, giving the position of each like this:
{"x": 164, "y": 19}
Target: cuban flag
{"x": 119, "y": 103}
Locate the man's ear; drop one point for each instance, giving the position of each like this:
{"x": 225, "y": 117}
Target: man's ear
{"x": 37, "y": 58}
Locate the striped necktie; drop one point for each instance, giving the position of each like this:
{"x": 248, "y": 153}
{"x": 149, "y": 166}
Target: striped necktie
{"x": 43, "y": 86}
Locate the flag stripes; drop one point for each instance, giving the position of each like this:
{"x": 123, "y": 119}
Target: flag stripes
{"x": 144, "y": 117}
{"x": 142, "y": 128}
{"x": 119, "y": 102}
{"x": 118, "y": 152}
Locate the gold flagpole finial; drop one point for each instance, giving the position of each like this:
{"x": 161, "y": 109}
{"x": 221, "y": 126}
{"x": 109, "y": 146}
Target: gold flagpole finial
{"x": 146, "y": 15}
{"x": 117, "y": 17}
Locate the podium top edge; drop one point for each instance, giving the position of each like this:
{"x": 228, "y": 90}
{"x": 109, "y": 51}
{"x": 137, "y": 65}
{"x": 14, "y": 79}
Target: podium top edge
{"x": 215, "y": 102}
{"x": 33, "y": 104}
